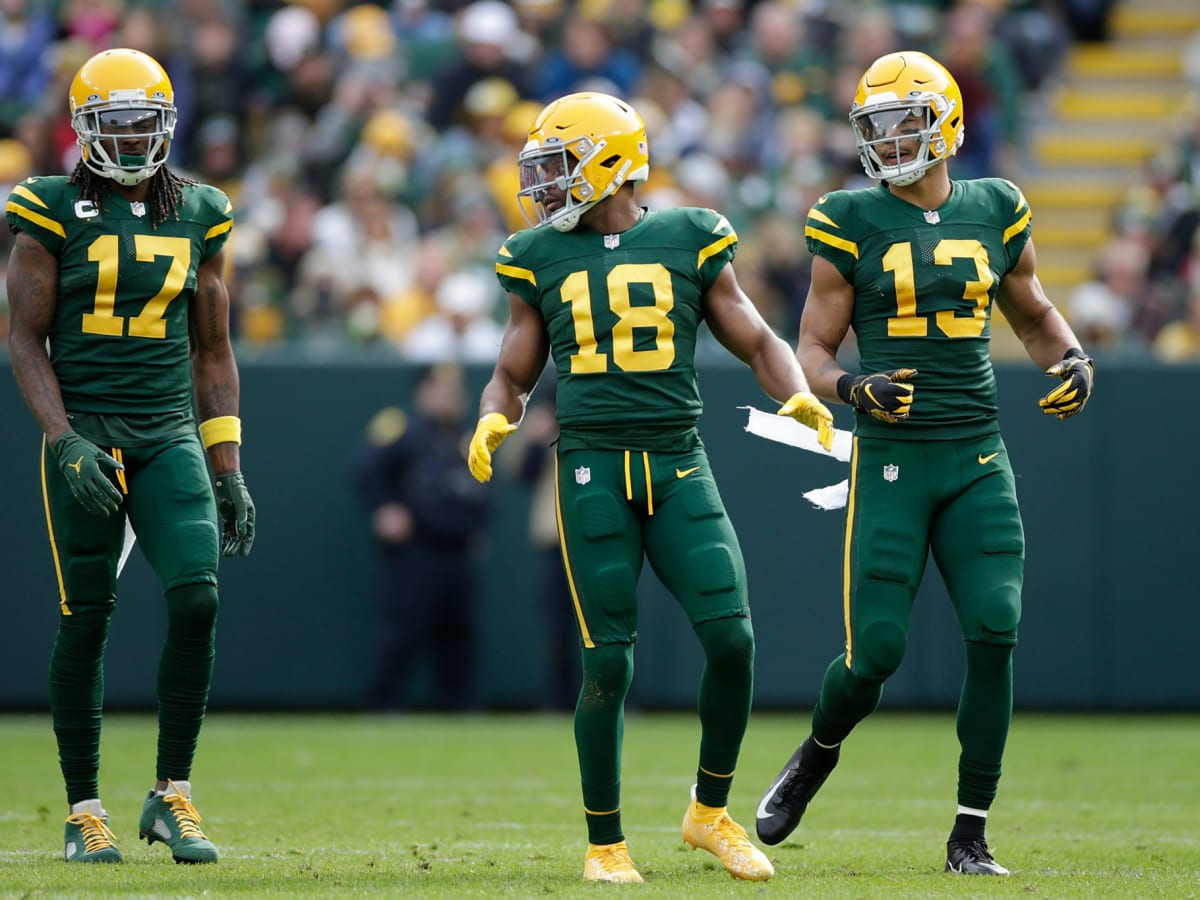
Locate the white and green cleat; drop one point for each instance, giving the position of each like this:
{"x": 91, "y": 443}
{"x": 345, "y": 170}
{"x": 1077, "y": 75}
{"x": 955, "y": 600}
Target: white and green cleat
{"x": 87, "y": 838}
{"x": 169, "y": 816}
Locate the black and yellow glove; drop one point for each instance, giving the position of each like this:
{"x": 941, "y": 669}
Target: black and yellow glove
{"x": 1068, "y": 399}
{"x": 885, "y": 395}
{"x": 83, "y": 464}
{"x": 235, "y": 509}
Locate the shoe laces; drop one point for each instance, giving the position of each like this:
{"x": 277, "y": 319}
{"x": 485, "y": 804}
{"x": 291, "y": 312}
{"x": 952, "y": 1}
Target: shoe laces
{"x": 96, "y": 835}
{"x": 614, "y": 858}
{"x": 785, "y": 799}
{"x": 185, "y": 814}
{"x": 729, "y": 831}
{"x": 976, "y": 848}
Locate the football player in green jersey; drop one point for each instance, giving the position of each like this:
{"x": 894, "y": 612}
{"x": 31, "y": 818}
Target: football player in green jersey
{"x": 913, "y": 266}
{"x": 120, "y": 317}
{"x": 616, "y": 294}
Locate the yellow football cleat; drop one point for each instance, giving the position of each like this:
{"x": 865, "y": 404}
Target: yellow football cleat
{"x": 711, "y": 828}
{"x": 610, "y": 862}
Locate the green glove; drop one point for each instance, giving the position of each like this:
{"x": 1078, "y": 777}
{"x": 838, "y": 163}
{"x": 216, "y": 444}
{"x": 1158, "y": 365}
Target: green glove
{"x": 1077, "y": 374}
{"x": 82, "y": 464}
{"x": 236, "y": 511}
{"x": 885, "y": 395}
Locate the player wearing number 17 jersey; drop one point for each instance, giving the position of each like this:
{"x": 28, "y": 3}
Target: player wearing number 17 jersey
{"x": 616, "y": 295}
{"x": 119, "y": 315}
{"x": 914, "y": 266}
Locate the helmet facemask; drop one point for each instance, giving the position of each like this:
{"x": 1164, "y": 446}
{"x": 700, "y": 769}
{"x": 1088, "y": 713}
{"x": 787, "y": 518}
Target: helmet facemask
{"x": 886, "y": 131}
{"x": 582, "y": 148}
{"x": 102, "y": 127}
{"x": 555, "y": 187}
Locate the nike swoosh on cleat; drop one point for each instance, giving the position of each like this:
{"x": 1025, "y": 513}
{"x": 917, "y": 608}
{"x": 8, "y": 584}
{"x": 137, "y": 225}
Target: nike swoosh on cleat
{"x": 684, "y": 473}
{"x": 762, "y": 804}
{"x": 984, "y": 460}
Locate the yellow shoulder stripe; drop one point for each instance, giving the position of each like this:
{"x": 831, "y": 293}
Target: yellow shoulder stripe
{"x": 833, "y": 241}
{"x": 714, "y": 248}
{"x": 21, "y": 191}
{"x": 36, "y": 218}
{"x": 218, "y": 229}
{"x": 516, "y": 272}
{"x": 822, "y": 218}
{"x": 1016, "y": 227}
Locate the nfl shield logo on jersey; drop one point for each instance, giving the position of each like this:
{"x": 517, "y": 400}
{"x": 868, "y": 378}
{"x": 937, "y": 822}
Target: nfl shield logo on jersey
{"x": 612, "y": 241}
{"x": 890, "y": 472}
{"x": 583, "y": 475}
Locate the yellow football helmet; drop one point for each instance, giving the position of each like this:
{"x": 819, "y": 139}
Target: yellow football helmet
{"x": 902, "y": 97}
{"x": 583, "y": 146}
{"x": 116, "y": 94}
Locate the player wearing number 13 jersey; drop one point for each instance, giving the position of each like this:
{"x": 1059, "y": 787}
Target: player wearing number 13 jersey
{"x": 119, "y": 315}
{"x": 914, "y": 266}
{"x": 616, "y": 296}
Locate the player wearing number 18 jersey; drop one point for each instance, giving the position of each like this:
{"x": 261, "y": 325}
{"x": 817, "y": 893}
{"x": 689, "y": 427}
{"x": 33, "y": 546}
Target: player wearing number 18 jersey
{"x": 914, "y": 266}
{"x": 616, "y": 295}
{"x": 119, "y": 315}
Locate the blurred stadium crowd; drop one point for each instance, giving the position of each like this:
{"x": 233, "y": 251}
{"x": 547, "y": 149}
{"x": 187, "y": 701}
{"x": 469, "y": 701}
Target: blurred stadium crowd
{"x": 369, "y": 148}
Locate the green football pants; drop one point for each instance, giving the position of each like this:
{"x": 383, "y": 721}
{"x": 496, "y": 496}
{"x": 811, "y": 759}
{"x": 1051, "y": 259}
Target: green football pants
{"x": 169, "y": 500}
{"x": 956, "y": 499}
{"x": 618, "y": 508}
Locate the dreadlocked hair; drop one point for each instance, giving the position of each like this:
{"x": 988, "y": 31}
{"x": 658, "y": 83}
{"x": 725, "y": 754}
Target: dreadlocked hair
{"x": 166, "y": 191}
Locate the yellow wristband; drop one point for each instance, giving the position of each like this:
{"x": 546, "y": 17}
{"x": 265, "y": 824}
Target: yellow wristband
{"x": 221, "y": 430}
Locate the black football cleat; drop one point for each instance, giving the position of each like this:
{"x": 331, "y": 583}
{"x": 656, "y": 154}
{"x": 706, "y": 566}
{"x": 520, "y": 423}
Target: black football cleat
{"x": 784, "y": 803}
{"x": 971, "y": 858}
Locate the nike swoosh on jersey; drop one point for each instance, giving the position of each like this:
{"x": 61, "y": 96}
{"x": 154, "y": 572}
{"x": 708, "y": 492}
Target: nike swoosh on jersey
{"x": 684, "y": 473}
{"x": 984, "y": 460}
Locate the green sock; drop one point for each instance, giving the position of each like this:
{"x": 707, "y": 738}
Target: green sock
{"x": 599, "y": 730}
{"x": 725, "y": 696}
{"x": 984, "y": 714}
{"x": 845, "y": 700}
{"x": 77, "y": 698}
{"x": 184, "y": 676}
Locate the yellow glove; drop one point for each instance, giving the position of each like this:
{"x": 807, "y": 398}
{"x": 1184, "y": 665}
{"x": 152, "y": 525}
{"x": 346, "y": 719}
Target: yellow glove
{"x": 489, "y": 434}
{"x": 806, "y": 409}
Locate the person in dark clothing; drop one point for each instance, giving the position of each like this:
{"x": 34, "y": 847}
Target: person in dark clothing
{"x": 427, "y": 516}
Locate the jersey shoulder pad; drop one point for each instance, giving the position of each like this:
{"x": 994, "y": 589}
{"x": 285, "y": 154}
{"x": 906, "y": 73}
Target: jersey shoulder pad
{"x": 213, "y": 211}
{"x": 830, "y": 229}
{"x": 707, "y": 230}
{"x": 40, "y": 207}
{"x": 515, "y": 266}
{"x": 1006, "y": 207}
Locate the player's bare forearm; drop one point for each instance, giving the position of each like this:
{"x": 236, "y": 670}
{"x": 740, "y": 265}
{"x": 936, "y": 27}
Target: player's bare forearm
{"x": 504, "y": 395}
{"x": 821, "y": 367}
{"x": 1049, "y": 340}
{"x": 776, "y": 368}
{"x": 1040, "y": 327}
{"x": 214, "y": 368}
{"x": 823, "y": 327}
{"x": 523, "y": 352}
{"x": 218, "y": 393}
{"x": 32, "y": 286}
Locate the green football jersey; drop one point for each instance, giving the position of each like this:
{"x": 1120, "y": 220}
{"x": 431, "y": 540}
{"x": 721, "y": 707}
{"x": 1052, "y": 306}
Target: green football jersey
{"x": 622, "y": 312}
{"x": 119, "y": 343}
{"x": 924, "y": 283}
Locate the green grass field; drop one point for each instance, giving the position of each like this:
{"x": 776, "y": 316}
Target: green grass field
{"x": 366, "y": 806}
